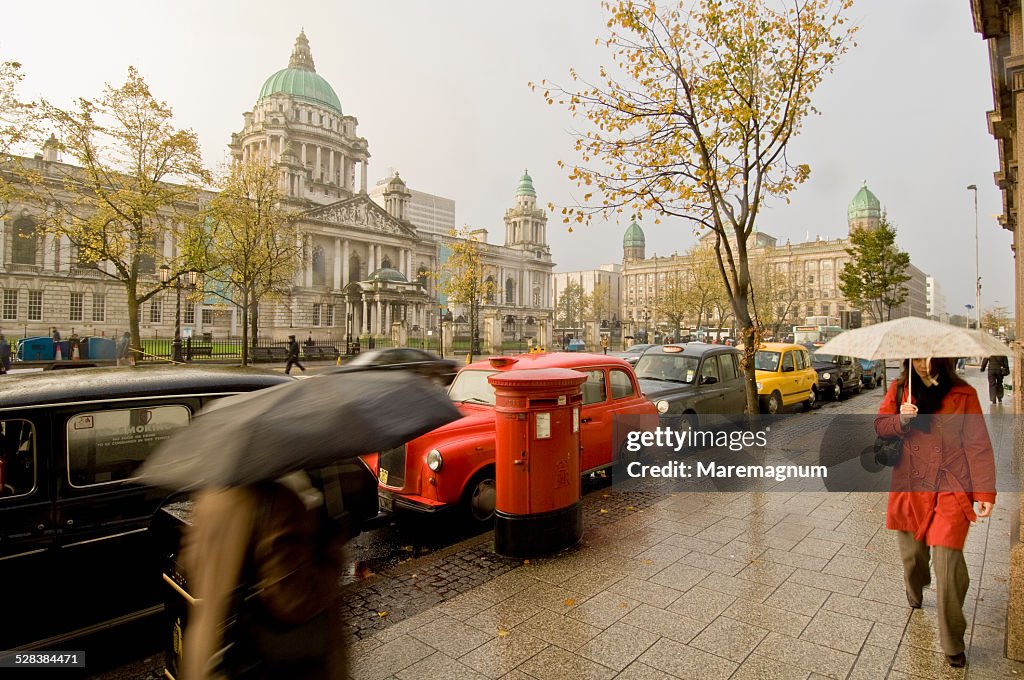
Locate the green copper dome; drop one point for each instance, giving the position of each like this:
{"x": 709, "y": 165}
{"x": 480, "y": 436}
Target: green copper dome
{"x": 388, "y": 274}
{"x": 864, "y": 204}
{"x": 300, "y": 80}
{"x": 526, "y": 186}
{"x": 634, "y": 236}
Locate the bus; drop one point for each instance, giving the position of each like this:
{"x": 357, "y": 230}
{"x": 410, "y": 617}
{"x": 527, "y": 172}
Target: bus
{"x": 816, "y": 330}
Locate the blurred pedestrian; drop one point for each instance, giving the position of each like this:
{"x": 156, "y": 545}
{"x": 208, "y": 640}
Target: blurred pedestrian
{"x": 5, "y": 354}
{"x": 122, "y": 348}
{"x": 264, "y": 561}
{"x": 293, "y": 356}
{"x": 604, "y": 344}
{"x": 57, "y": 353}
{"x": 998, "y": 368}
{"x": 947, "y": 466}
{"x": 961, "y": 364}
{"x": 74, "y": 343}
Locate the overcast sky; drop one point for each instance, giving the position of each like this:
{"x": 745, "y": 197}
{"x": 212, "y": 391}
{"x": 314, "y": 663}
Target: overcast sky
{"x": 440, "y": 91}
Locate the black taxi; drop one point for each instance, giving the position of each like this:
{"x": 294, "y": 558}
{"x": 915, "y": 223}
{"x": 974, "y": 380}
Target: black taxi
{"x": 77, "y": 552}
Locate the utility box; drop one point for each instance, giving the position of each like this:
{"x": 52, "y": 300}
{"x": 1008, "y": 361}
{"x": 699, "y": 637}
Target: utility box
{"x": 39, "y": 348}
{"x": 96, "y": 347}
{"x": 538, "y": 509}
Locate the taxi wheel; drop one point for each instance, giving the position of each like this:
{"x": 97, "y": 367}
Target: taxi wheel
{"x": 479, "y": 497}
{"x": 837, "y": 391}
{"x": 774, "y": 406}
{"x": 811, "y": 400}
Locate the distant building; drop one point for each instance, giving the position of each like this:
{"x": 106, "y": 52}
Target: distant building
{"x": 936, "y": 300}
{"x": 427, "y": 212}
{"x": 811, "y": 268}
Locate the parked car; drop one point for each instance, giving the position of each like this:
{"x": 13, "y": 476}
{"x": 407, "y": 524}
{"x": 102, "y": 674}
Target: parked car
{"x": 837, "y": 374}
{"x": 423, "y": 362}
{"x": 784, "y": 376}
{"x": 453, "y": 466}
{"x": 688, "y": 381}
{"x": 632, "y": 354}
{"x": 872, "y": 372}
{"x": 77, "y": 539}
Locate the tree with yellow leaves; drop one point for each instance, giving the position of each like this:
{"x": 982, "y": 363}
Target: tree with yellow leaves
{"x": 15, "y": 124}
{"x": 694, "y": 118}
{"x": 462, "y": 278}
{"x": 128, "y": 204}
{"x": 253, "y": 246}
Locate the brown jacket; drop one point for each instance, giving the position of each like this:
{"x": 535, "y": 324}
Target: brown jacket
{"x": 297, "y": 582}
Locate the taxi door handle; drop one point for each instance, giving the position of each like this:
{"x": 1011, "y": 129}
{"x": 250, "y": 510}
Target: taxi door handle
{"x": 585, "y": 420}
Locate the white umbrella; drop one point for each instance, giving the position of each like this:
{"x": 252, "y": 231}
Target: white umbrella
{"x": 911, "y": 337}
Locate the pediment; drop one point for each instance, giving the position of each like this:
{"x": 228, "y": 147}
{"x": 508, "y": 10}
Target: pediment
{"x": 363, "y": 213}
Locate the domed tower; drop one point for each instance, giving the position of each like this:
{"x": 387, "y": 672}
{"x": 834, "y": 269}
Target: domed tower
{"x": 634, "y": 245}
{"x": 865, "y": 211}
{"x": 526, "y": 224}
{"x": 396, "y": 197}
{"x": 297, "y": 124}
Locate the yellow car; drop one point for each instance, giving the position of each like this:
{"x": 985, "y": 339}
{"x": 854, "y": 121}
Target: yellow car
{"x": 785, "y": 376}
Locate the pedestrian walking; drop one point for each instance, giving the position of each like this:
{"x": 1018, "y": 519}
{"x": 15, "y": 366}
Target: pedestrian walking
{"x": 265, "y": 562}
{"x": 5, "y": 354}
{"x": 998, "y": 368}
{"x": 947, "y": 466}
{"x": 122, "y": 348}
{"x": 74, "y": 342}
{"x": 55, "y": 334}
{"x": 604, "y": 343}
{"x": 293, "y": 356}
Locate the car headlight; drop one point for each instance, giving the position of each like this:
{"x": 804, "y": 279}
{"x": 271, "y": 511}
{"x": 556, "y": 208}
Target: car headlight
{"x": 662, "y": 406}
{"x": 758, "y": 383}
{"x": 826, "y": 376}
{"x": 434, "y": 460}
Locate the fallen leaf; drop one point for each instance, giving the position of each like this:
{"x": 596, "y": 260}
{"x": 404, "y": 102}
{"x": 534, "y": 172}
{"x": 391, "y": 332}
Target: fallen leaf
{"x": 630, "y": 507}
{"x": 604, "y": 511}
{"x": 623, "y": 605}
{"x": 569, "y": 602}
{"x": 382, "y": 614}
{"x": 648, "y": 562}
{"x": 526, "y": 561}
{"x": 406, "y": 548}
{"x": 604, "y": 495}
{"x": 502, "y": 633}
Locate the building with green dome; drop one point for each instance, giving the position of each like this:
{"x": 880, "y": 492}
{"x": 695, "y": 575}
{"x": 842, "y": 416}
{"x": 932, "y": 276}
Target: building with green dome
{"x": 864, "y": 211}
{"x": 634, "y": 244}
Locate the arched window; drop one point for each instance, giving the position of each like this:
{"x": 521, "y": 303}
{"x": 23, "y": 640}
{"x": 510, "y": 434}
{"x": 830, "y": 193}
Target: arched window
{"x": 353, "y": 268}
{"x": 510, "y": 291}
{"x": 23, "y": 248}
{"x": 490, "y": 288}
{"x": 319, "y": 267}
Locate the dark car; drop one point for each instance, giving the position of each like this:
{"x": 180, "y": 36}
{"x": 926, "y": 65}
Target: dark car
{"x": 78, "y": 547}
{"x": 872, "y": 372}
{"x": 423, "y": 362}
{"x": 688, "y": 381}
{"x": 633, "y": 353}
{"x": 837, "y": 375}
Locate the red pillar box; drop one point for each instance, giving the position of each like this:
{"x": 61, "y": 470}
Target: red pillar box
{"x": 537, "y": 461}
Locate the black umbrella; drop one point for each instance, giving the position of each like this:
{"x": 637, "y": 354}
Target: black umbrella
{"x": 303, "y": 425}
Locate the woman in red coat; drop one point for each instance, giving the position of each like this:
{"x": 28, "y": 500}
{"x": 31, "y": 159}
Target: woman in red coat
{"x": 947, "y": 466}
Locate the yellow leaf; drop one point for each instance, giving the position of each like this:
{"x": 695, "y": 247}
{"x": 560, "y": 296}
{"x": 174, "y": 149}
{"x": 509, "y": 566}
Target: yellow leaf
{"x": 630, "y": 507}
{"x": 526, "y": 561}
{"x": 502, "y": 633}
{"x": 569, "y": 602}
{"x": 648, "y": 561}
{"x": 382, "y": 614}
{"x": 604, "y": 511}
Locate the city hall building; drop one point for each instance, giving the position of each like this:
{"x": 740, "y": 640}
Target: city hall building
{"x": 366, "y": 261}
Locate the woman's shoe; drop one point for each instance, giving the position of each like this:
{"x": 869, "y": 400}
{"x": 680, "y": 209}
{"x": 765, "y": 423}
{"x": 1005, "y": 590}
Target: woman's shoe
{"x": 957, "y": 660}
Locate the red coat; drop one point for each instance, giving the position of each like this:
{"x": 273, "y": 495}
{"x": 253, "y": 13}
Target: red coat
{"x": 942, "y": 471}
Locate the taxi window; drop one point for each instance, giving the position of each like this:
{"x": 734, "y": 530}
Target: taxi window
{"x": 593, "y": 388}
{"x": 622, "y": 386}
{"x": 766, "y": 361}
{"x": 801, "y": 359}
{"x": 709, "y": 369}
{"x": 109, "y": 446}
{"x": 787, "y": 361}
{"x": 17, "y": 458}
{"x": 727, "y": 364}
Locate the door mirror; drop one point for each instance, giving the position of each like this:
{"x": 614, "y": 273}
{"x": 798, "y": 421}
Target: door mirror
{"x": 708, "y": 380}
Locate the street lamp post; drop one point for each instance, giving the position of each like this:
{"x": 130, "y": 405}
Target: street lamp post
{"x": 192, "y": 277}
{"x": 977, "y": 259}
{"x": 440, "y": 331}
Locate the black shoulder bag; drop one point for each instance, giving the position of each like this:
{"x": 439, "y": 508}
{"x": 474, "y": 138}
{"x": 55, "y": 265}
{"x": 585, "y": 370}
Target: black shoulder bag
{"x": 889, "y": 450}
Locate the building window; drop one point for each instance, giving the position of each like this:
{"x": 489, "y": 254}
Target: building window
{"x": 319, "y": 267}
{"x": 316, "y": 314}
{"x": 77, "y": 306}
{"x": 190, "y": 312}
{"x": 23, "y": 250}
{"x": 329, "y": 320}
{"x": 155, "y": 311}
{"x": 207, "y": 317}
{"x": 99, "y": 307}
{"x": 10, "y": 304}
{"x": 35, "y": 305}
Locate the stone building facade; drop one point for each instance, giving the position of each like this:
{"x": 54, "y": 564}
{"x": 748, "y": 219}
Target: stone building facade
{"x": 365, "y": 267}
{"x": 810, "y": 269}
{"x": 1001, "y": 24}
